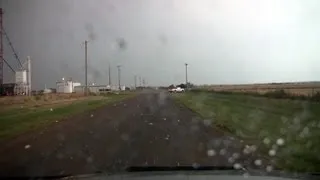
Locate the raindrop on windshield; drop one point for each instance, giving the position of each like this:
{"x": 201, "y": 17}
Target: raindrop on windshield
{"x": 266, "y": 141}
{"x": 195, "y": 165}
{"x": 272, "y": 152}
{"x": 222, "y": 152}
{"x": 27, "y": 146}
{"x": 258, "y": 162}
{"x": 269, "y": 168}
{"x": 211, "y": 152}
{"x": 237, "y": 166}
{"x": 231, "y": 160}
{"x": 235, "y": 155}
{"x": 280, "y": 142}
{"x": 89, "y": 159}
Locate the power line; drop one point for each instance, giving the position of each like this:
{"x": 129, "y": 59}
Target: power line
{"x": 8, "y": 65}
{"x": 10, "y": 44}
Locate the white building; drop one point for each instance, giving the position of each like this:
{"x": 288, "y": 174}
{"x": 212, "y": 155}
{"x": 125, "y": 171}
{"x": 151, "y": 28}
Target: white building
{"x": 67, "y": 86}
{"x": 21, "y": 87}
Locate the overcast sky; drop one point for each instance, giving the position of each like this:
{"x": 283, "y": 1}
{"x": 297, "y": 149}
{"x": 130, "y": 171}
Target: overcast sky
{"x": 224, "y": 41}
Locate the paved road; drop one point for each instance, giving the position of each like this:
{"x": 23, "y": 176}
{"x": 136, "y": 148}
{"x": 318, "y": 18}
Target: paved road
{"x": 148, "y": 130}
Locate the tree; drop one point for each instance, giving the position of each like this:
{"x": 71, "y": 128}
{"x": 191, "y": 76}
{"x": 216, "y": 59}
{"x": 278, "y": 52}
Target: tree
{"x": 171, "y": 86}
{"x": 182, "y": 86}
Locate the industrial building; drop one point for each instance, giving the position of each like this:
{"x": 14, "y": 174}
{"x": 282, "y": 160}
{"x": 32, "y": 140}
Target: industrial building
{"x": 66, "y": 86}
{"x": 97, "y": 89}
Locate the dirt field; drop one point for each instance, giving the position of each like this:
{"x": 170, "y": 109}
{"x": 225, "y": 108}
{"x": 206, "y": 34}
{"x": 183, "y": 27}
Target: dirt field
{"x": 147, "y": 130}
{"x": 299, "y": 88}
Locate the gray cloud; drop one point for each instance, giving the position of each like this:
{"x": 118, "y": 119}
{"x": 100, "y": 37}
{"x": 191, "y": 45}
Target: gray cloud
{"x": 235, "y": 41}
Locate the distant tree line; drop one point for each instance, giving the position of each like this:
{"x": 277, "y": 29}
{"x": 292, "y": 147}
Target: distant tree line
{"x": 182, "y": 85}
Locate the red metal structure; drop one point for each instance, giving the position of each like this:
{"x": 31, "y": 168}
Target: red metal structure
{"x": 1, "y": 48}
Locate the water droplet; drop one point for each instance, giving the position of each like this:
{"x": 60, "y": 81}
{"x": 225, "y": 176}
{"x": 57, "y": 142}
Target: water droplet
{"x": 211, "y": 152}
{"x": 237, "y": 166}
{"x": 235, "y": 155}
{"x": 272, "y": 152}
{"x": 56, "y": 121}
{"x": 296, "y": 120}
{"x": 51, "y": 109}
{"x": 222, "y": 152}
{"x": 91, "y": 115}
{"x": 231, "y": 160}
{"x": 27, "y": 146}
{"x": 266, "y": 141}
{"x": 150, "y": 124}
{"x": 246, "y": 175}
{"x": 246, "y": 150}
{"x": 195, "y": 165}
{"x": 164, "y": 119}
{"x": 269, "y": 168}
{"x": 258, "y": 162}
{"x": 253, "y": 148}
{"x": 280, "y": 142}
{"x": 178, "y": 120}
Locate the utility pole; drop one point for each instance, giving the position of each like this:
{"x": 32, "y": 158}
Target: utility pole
{"x": 135, "y": 81}
{"x": 86, "y": 67}
{"x": 29, "y": 76}
{"x": 140, "y": 81}
{"x": 186, "y": 64}
{"x": 1, "y": 49}
{"x": 109, "y": 75}
{"x": 119, "y": 72}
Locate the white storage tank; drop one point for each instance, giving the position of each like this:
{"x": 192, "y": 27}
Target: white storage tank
{"x": 66, "y": 86}
{"x": 21, "y": 77}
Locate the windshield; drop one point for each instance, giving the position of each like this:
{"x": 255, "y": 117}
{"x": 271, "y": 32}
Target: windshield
{"x": 105, "y": 86}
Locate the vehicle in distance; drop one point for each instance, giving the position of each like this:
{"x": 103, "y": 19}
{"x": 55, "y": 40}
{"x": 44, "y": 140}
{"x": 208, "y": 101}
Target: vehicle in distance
{"x": 177, "y": 90}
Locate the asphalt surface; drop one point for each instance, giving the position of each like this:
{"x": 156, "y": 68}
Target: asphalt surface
{"x": 150, "y": 129}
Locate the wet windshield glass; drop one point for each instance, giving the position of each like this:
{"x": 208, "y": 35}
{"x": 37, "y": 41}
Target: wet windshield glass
{"x": 105, "y": 86}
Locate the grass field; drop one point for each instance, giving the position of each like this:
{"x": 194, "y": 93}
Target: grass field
{"x": 20, "y": 119}
{"x": 295, "y": 124}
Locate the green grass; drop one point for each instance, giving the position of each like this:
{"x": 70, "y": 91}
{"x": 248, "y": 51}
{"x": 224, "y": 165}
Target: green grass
{"x": 257, "y": 118}
{"x": 19, "y": 120}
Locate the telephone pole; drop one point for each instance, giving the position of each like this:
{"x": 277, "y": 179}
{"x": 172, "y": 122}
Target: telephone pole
{"x": 119, "y": 72}
{"x": 1, "y": 48}
{"x": 109, "y": 75}
{"x": 135, "y": 81}
{"x": 86, "y": 66}
{"x": 186, "y": 64}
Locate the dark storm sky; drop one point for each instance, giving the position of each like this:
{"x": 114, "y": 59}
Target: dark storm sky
{"x": 224, "y": 41}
